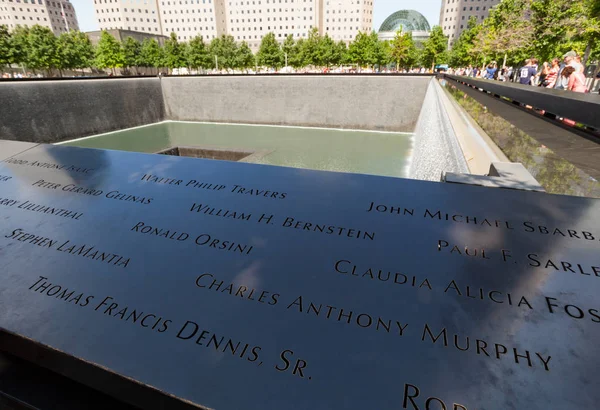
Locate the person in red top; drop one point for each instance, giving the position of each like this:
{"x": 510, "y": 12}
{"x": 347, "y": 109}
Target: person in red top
{"x": 576, "y": 79}
{"x": 552, "y": 73}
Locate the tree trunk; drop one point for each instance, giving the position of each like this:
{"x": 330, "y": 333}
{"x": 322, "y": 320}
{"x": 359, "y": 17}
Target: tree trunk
{"x": 588, "y": 50}
{"x": 504, "y": 63}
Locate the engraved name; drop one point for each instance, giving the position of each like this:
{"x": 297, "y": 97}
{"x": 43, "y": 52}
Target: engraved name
{"x": 485, "y": 349}
{"x": 83, "y": 250}
{"x": 50, "y": 165}
{"x": 204, "y": 239}
{"x": 116, "y": 195}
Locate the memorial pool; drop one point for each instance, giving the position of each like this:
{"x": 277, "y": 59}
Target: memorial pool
{"x": 364, "y": 152}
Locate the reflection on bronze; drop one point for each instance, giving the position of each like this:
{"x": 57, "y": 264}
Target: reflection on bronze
{"x": 555, "y": 174}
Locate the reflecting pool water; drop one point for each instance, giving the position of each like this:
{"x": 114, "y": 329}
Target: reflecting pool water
{"x": 365, "y": 152}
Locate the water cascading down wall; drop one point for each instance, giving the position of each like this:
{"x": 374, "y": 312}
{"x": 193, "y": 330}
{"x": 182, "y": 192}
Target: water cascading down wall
{"x": 54, "y": 111}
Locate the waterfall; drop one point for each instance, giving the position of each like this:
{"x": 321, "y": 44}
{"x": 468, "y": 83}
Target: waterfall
{"x": 436, "y": 148}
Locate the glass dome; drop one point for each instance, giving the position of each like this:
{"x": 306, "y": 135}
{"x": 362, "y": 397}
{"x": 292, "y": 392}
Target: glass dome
{"x": 407, "y": 20}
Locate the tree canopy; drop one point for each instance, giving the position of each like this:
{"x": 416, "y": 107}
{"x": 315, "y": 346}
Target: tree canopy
{"x": 5, "y": 46}
{"x": 198, "y": 55}
{"x": 225, "y": 49}
{"x": 151, "y": 54}
{"x": 19, "y": 43}
{"x": 519, "y": 29}
{"x": 132, "y": 50}
{"x": 174, "y": 53}
{"x": 109, "y": 52}
{"x": 244, "y": 57}
{"x": 270, "y": 54}
{"x": 403, "y": 51}
{"x": 513, "y": 31}
{"x": 42, "y": 49}
{"x": 463, "y": 53}
{"x": 434, "y": 48}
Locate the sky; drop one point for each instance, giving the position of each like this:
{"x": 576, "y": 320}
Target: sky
{"x": 381, "y": 9}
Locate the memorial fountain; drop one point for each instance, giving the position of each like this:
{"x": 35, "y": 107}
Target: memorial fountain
{"x": 136, "y": 280}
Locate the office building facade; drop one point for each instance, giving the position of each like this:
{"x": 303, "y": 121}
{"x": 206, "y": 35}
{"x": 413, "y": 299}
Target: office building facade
{"x": 343, "y": 19}
{"x": 455, "y": 14}
{"x": 245, "y": 20}
{"x": 58, "y": 15}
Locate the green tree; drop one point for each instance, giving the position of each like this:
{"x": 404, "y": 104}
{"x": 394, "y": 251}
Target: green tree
{"x": 563, "y": 25}
{"x": 507, "y": 32}
{"x": 132, "y": 50}
{"x": 174, "y": 53}
{"x": 66, "y": 52}
{"x": 225, "y": 49}
{"x": 198, "y": 55}
{"x": 434, "y": 46}
{"x": 289, "y": 49}
{"x": 367, "y": 50}
{"x": 244, "y": 57}
{"x": 43, "y": 49}
{"x": 326, "y": 51}
{"x": 19, "y": 46}
{"x": 341, "y": 52}
{"x": 270, "y": 54}
{"x": 109, "y": 53}
{"x": 75, "y": 50}
{"x": 362, "y": 50}
{"x": 311, "y": 48}
{"x": 85, "y": 50}
{"x": 517, "y": 29}
{"x": 591, "y": 30}
{"x": 296, "y": 57}
{"x": 5, "y": 46}
{"x": 403, "y": 50}
{"x": 462, "y": 53}
{"x": 150, "y": 54}
{"x": 381, "y": 50}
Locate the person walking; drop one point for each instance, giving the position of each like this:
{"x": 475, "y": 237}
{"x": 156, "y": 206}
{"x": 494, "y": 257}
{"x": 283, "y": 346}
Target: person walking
{"x": 490, "y": 71}
{"x": 561, "y": 84}
{"x": 552, "y": 74}
{"x": 576, "y": 63}
{"x": 502, "y": 74}
{"x": 544, "y": 74}
{"x": 526, "y": 73}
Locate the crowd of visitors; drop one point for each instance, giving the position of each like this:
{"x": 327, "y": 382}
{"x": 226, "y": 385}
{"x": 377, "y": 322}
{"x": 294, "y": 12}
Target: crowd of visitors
{"x": 566, "y": 75}
{"x": 21, "y": 75}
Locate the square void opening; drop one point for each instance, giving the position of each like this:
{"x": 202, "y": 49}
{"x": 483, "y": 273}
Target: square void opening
{"x": 209, "y": 153}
